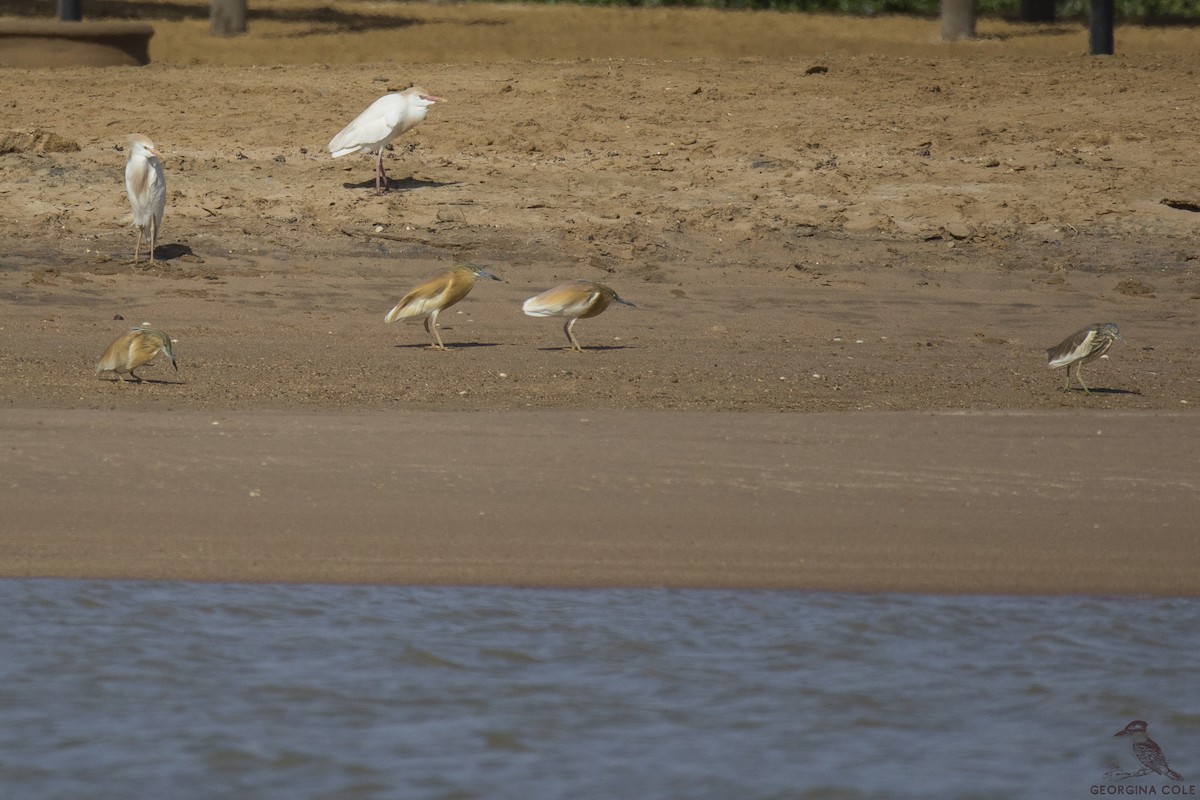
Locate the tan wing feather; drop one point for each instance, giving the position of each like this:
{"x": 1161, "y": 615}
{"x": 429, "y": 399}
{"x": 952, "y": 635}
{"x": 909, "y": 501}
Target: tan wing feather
{"x": 134, "y": 349}
{"x": 435, "y": 294}
{"x": 573, "y": 299}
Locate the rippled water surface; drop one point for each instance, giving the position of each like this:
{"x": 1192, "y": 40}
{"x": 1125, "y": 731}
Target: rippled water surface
{"x": 139, "y": 690}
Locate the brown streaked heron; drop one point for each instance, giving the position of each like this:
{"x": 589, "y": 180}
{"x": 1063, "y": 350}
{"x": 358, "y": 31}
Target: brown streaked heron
{"x": 435, "y": 295}
{"x": 1084, "y": 345}
{"x": 574, "y": 300}
{"x": 135, "y": 349}
{"x": 382, "y": 121}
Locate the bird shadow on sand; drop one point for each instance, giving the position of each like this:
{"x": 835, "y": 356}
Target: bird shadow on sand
{"x": 1103, "y": 390}
{"x": 162, "y": 254}
{"x": 160, "y": 381}
{"x": 451, "y": 346}
{"x": 170, "y": 252}
{"x": 396, "y": 186}
{"x": 599, "y": 348}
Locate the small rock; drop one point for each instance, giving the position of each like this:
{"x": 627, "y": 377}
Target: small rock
{"x": 1132, "y": 287}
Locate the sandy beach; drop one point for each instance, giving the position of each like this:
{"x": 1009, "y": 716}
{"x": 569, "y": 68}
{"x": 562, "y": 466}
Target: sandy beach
{"x": 849, "y": 247}
{"x": 977, "y": 502}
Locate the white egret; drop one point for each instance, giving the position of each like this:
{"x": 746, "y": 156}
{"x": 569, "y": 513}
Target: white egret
{"x": 147, "y": 189}
{"x": 384, "y": 120}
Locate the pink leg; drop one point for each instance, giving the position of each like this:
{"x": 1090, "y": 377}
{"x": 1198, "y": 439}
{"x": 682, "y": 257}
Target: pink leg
{"x": 381, "y": 179}
{"x": 153, "y": 238}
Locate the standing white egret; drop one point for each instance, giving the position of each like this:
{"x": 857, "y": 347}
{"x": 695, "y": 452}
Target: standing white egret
{"x": 384, "y": 120}
{"x": 147, "y": 189}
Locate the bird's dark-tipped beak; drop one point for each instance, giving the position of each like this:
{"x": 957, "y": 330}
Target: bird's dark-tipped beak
{"x": 1121, "y": 733}
{"x": 493, "y": 277}
{"x": 625, "y": 302}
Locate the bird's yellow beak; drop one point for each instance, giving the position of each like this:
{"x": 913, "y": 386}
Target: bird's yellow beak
{"x": 432, "y": 98}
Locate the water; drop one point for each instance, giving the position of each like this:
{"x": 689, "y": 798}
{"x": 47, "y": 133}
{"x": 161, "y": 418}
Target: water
{"x": 140, "y": 690}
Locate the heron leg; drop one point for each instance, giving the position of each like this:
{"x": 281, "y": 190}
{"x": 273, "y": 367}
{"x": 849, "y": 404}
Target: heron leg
{"x": 431, "y": 329}
{"x": 137, "y": 248}
{"x": 381, "y": 178}
{"x": 1079, "y": 377}
{"x": 153, "y": 237}
{"x": 571, "y": 335}
{"x": 137, "y": 378}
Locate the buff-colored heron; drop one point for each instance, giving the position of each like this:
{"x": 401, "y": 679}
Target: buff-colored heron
{"x": 134, "y": 350}
{"x": 435, "y": 295}
{"x": 382, "y": 121}
{"x": 574, "y": 300}
{"x": 1082, "y": 346}
{"x": 146, "y": 186}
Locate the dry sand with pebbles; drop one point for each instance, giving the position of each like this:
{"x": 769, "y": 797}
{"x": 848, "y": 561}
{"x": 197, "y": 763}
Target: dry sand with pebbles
{"x": 833, "y": 224}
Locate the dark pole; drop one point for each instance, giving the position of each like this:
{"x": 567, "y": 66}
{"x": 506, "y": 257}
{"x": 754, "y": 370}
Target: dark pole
{"x": 70, "y": 10}
{"x": 1100, "y": 31}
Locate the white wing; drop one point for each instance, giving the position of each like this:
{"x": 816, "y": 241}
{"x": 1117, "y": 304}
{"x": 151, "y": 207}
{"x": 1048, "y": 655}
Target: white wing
{"x": 1071, "y": 350}
{"x": 146, "y": 186}
{"x": 384, "y": 120}
{"x": 417, "y": 308}
{"x": 158, "y": 192}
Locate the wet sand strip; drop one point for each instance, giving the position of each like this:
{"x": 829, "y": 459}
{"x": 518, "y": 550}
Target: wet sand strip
{"x": 1053, "y": 503}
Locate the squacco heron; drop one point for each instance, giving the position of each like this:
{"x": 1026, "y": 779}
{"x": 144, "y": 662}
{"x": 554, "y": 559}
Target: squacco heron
{"x": 436, "y": 295}
{"x": 575, "y": 300}
{"x": 1082, "y": 346}
{"x": 134, "y": 350}
{"x": 382, "y": 121}
{"x": 147, "y": 189}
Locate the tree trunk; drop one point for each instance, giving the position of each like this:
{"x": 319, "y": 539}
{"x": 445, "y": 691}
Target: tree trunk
{"x": 1037, "y": 11}
{"x": 70, "y": 10}
{"x": 958, "y": 20}
{"x": 227, "y": 17}
{"x": 1100, "y": 28}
